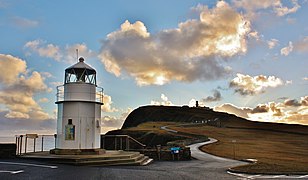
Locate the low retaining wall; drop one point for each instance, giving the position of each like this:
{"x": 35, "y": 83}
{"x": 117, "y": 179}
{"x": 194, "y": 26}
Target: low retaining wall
{"x": 166, "y": 155}
{"x": 7, "y": 150}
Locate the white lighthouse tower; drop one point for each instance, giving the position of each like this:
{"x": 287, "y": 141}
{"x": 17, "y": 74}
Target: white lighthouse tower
{"x": 79, "y": 103}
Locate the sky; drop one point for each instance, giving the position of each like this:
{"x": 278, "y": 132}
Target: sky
{"x": 243, "y": 57}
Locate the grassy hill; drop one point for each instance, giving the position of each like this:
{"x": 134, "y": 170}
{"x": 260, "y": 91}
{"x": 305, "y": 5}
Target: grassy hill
{"x": 192, "y": 114}
{"x": 279, "y": 148}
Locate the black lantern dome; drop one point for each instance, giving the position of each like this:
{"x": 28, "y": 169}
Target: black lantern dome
{"x": 80, "y": 73}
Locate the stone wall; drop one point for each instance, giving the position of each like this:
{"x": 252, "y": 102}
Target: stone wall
{"x": 7, "y": 150}
{"x": 166, "y": 155}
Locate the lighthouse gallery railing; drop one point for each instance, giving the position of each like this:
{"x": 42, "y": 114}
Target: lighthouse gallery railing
{"x": 99, "y": 94}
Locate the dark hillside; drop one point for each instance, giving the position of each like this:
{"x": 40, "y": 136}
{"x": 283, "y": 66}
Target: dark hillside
{"x": 190, "y": 115}
{"x": 172, "y": 114}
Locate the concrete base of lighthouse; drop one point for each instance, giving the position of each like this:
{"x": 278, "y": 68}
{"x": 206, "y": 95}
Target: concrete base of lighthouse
{"x": 109, "y": 158}
{"x": 77, "y": 151}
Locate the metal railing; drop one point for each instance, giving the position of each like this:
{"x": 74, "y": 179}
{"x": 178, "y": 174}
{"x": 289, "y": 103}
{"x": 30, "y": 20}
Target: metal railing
{"x": 99, "y": 94}
{"x": 120, "y": 142}
{"x": 23, "y": 147}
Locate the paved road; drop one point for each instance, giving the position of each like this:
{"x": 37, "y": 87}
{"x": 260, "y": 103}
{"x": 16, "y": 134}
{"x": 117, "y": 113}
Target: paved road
{"x": 176, "y": 170}
{"x": 218, "y": 162}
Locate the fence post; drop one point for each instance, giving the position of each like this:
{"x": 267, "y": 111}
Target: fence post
{"x": 128, "y": 143}
{"x": 55, "y": 135}
{"x": 42, "y": 143}
{"x": 121, "y": 143}
{"x": 34, "y": 144}
{"x": 20, "y": 144}
{"x": 26, "y": 142}
{"x": 104, "y": 142}
{"x": 17, "y": 147}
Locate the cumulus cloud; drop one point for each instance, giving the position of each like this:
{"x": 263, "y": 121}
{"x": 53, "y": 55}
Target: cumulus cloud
{"x": 287, "y": 50}
{"x": 290, "y": 111}
{"x": 42, "y": 49}
{"x": 216, "y": 97}
{"x": 192, "y": 51}
{"x": 107, "y": 104}
{"x": 24, "y": 22}
{"x": 12, "y": 67}
{"x": 232, "y": 109}
{"x": 164, "y": 101}
{"x": 114, "y": 122}
{"x": 18, "y": 89}
{"x": 248, "y": 85}
{"x": 65, "y": 54}
{"x": 276, "y": 5}
{"x": 272, "y": 43}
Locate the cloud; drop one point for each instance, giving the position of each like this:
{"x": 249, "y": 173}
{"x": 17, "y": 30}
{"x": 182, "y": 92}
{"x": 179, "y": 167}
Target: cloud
{"x": 287, "y": 50}
{"x": 164, "y": 101}
{"x": 292, "y": 102}
{"x": 107, "y": 104}
{"x": 283, "y": 10}
{"x": 290, "y": 111}
{"x": 43, "y": 100}
{"x": 11, "y": 67}
{"x": 192, "y": 51}
{"x": 248, "y": 85}
{"x": 230, "y": 108}
{"x": 83, "y": 50}
{"x": 18, "y": 88}
{"x": 114, "y": 122}
{"x": 291, "y": 20}
{"x": 24, "y": 22}
{"x": 44, "y": 50}
{"x": 277, "y": 6}
{"x": 17, "y": 126}
{"x": 65, "y": 54}
{"x": 58, "y": 83}
{"x": 260, "y": 109}
{"x": 302, "y": 45}
{"x": 272, "y": 43}
{"x": 216, "y": 97}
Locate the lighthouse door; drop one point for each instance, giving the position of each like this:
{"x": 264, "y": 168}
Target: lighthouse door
{"x": 89, "y": 134}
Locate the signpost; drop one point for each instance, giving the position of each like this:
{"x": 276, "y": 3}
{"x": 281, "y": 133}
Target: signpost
{"x": 233, "y": 142}
{"x": 175, "y": 150}
{"x": 31, "y": 136}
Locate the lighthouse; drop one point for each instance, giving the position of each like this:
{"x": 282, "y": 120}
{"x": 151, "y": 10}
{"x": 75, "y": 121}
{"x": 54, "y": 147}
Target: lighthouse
{"x": 79, "y": 102}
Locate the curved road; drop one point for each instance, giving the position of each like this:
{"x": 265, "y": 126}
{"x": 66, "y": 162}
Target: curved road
{"x": 224, "y": 163}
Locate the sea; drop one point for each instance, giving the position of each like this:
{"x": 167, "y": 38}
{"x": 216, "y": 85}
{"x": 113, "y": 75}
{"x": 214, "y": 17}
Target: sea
{"x": 41, "y": 143}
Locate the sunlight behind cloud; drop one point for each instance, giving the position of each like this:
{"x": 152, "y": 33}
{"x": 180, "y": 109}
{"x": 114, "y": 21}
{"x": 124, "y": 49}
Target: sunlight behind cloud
{"x": 190, "y": 52}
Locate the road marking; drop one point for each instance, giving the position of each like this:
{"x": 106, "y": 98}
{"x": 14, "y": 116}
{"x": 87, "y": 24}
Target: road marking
{"x": 28, "y": 164}
{"x": 260, "y": 176}
{"x": 12, "y": 172}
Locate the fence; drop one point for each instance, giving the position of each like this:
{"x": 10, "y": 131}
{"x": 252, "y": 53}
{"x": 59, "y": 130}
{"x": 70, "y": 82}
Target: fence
{"x": 33, "y": 142}
{"x": 120, "y": 142}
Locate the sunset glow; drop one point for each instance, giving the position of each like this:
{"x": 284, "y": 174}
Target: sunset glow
{"x": 244, "y": 57}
